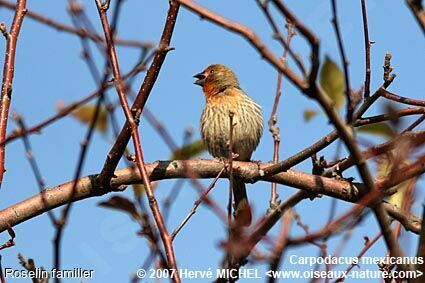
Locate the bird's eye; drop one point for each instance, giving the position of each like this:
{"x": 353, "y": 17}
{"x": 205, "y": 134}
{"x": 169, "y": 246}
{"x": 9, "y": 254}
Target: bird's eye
{"x": 212, "y": 71}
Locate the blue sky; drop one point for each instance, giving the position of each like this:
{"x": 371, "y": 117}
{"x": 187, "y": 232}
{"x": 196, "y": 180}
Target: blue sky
{"x": 49, "y": 69}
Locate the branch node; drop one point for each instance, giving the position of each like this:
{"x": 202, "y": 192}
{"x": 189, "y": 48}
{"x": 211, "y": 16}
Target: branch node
{"x": 3, "y": 30}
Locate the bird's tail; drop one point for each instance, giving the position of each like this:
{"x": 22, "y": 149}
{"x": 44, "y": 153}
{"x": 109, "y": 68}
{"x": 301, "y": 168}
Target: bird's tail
{"x": 242, "y": 207}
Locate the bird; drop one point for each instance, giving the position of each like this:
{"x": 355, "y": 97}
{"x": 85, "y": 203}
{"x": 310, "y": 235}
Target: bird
{"x": 223, "y": 94}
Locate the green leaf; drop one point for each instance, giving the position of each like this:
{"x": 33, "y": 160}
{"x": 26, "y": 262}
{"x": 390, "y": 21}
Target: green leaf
{"x": 381, "y": 129}
{"x": 122, "y": 204}
{"x": 189, "y": 151}
{"x": 85, "y": 114}
{"x": 332, "y": 82}
{"x": 309, "y": 114}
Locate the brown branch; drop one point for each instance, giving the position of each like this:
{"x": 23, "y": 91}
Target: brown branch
{"x": 273, "y": 129}
{"x": 346, "y": 134}
{"x": 33, "y": 163}
{"x": 401, "y": 99}
{"x": 277, "y": 34}
{"x": 8, "y": 72}
{"x": 62, "y": 221}
{"x": 118, "y": 148}
{"x": 312, "y": 90}
{"x": 231, "y": 177}
{"x": 367, "y": 44}
{"x": 404, "y": 173}
{"x": 368, "y": 245}
{"x": 161, "y": 170}
{"x": 320, "y": 144}
{"x": 69, "y": 29}
{"x": 386, "y": 117}
{"x": 409, "y": 221}
{"x": 335, "y": 23}
{"x": 113, "y": 60}
{"x": 17, "y": 133}
{"x": 418, "y": 11}
{"x": 312, "y": 39}
{"x": 345, "y": 131}
{"x": 249, "y": 35}
{"x": 196, "y": 204}
{"x": 412, "y": 139}
{"x": 278, "y": 251}
{"x": 414, "y": 124}
{"x": 262, "y": 228}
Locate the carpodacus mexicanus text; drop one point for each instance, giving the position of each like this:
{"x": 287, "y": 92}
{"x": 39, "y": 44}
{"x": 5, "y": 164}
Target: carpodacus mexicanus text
{"x": 224, "y": 94}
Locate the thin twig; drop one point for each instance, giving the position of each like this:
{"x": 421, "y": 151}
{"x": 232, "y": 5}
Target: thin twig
{"x": 196, "y": 204}
{"x": 350, "y": 105}
{"x": 250, "y": 36}
{"x": 80, "y": 32}
{"x": 277, "y": 34}
{"x": 312, "y": 39}
{"x": 274, "y": 130}
{"x": 320, "y": 144}
{"x": 414, "y": 124}
{"x": 367, "y": 44}
{"x": 152, "y": 74}
{"x": 412, "y": 139}
{"x": 277, "y": 253}
{"x": 60, "y": 224}
{"x": 368, "y": 245}
{"x": 262, "y": 227}
{"x": 34, "y": 166}
{"x": 17, "y": 133}
{"x": 401, "y": 99}
{"x": 385, "y": 117}
{"x": 418, "y": 11}
{"x": 230, "y": 161}
{"x": 8, "y": 72}
{"x": 77, "y": 12}
{"x": 176, "y": 189}
{"x": 102, "y": 9}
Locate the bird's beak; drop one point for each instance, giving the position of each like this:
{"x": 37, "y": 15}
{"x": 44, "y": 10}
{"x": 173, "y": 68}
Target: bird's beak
{"x": 200, "y": 79}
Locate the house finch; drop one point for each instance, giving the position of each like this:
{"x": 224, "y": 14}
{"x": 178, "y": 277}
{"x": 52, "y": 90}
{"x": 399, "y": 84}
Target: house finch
{"x": 224, "y": 95}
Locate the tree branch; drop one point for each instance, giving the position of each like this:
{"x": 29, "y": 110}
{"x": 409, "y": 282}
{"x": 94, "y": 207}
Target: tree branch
{"x": 418, "y": 11}
{"x": 161, "y": 170}
{"x": 131, "y": 121}
{"x": 69, "y": 29}
{"x": 249, "y": 35}
{"x": 8, "y": 72}
{"x": 123, "y": 138}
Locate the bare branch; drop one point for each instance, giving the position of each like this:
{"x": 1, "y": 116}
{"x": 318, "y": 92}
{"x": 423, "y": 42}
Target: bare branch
{"x": 152, "y": 74}
{"x": 113, "y": 60}
{"x": 69, "y": 29}
{"x": 249, "y": 35}
{"x": 350, "y": 105}
{"x": 8, "y": 72}
{"x": 161, "y": 170}
{"x": 367, "y": 50}
{"x": 418, "y": 11}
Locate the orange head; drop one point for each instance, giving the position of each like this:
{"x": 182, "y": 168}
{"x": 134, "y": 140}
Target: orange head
{"x": 216, "y": 78}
